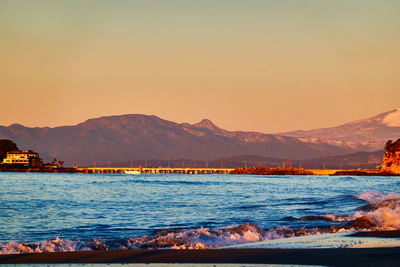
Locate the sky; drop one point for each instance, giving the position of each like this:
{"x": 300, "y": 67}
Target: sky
{"x": 267, "y": 66}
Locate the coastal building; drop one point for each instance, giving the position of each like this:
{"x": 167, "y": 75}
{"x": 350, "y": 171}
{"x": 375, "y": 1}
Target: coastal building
{"x": 26, "y": 158}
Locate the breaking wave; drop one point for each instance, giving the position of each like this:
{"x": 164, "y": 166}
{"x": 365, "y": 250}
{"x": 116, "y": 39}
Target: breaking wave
{"x": 384, "y": 210}
{"x": 200, "y": 238}
{"x": 381, "y": 212}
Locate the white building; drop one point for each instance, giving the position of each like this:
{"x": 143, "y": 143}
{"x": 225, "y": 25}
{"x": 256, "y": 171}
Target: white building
{"x": 27, "y": 158}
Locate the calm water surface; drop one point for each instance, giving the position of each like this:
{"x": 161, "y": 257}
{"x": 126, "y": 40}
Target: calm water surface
{"x": 39, "y": 206}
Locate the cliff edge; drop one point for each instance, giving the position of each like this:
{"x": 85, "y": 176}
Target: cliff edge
{"x": 391, "y": 158}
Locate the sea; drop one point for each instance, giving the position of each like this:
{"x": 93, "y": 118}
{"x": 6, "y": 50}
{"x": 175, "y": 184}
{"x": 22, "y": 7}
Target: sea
{"x": 45, "y": 212}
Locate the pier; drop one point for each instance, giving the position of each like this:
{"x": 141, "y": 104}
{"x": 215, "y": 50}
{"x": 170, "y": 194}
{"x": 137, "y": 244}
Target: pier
{"x": 162, "y": 170}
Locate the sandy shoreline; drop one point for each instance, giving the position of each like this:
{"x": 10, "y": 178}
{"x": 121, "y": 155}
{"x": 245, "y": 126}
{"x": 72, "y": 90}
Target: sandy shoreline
{"x": 250, "y": 253}
{"x": 332, "y": 257}
{"x": 375, "y": 239}
{"x": 387, "y": 234}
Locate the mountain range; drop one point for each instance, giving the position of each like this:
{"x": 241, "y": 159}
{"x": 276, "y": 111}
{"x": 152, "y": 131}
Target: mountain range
{"x": 136, "y": 137}
{"x": 368, "y": 134}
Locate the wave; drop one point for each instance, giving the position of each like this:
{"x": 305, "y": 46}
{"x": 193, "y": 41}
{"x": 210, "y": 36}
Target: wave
{"x": 57, "y": 245}
{"x": 383, "y": 209}
{"x": 381, "y": 212}
{"x": 199, "y": 238}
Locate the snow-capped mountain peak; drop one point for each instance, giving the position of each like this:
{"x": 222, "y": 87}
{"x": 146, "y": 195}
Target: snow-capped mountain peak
{"x": 379, "y": 128}
{"x": 393, "y": 118}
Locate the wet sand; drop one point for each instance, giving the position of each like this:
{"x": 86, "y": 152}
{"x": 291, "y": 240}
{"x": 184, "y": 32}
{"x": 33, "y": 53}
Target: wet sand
{"x": 332, "y": 257}
{"x": 328, "y": 241}
{"x": 387, "y": 234}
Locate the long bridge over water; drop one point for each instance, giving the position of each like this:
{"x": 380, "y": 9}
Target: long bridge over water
{"x": 165, "y": 170}
{"x": 168, "y": 170}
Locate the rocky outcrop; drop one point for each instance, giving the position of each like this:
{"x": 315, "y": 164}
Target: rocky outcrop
{"x": 391, "y": 159}
{"x": 363, "y": 222}
{"x": 391, "y": 162}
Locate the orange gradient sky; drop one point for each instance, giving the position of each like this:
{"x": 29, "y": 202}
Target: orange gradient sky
{"x": 265, "y": 66}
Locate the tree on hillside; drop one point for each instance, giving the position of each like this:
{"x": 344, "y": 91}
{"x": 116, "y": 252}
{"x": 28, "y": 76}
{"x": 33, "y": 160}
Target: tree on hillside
{"x": 392, "y": 146}
{"x": 61, "y": 163}
{"x": 396, "y": 145}
{"x": 388, "y": 145}
{"x": 6, "y": 145}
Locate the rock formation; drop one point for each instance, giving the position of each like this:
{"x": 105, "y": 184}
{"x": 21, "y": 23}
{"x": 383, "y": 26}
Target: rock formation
{"x": 391, "y": 159}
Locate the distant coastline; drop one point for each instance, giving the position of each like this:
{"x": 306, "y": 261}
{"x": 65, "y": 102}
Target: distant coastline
{"x": 43, "y": 170}
{"x": 205, "y": 171}
{"x": 29, "y": 161}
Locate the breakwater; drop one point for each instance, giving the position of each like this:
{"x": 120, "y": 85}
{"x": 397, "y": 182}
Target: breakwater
{"x": 161, "y": 170}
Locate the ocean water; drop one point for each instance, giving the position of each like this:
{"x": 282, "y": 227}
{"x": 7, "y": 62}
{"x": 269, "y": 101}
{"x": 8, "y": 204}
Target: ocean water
{"x": 64, "y": 212}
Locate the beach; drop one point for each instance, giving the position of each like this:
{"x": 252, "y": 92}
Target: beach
{"x": 330, "y": 257}
{"x": 326, "y": 257}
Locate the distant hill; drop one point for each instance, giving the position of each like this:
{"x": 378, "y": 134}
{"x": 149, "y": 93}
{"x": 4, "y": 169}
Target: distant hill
{"x": 369, "y": 134}
{"x": 139, "y": 137}
{"x": 363, "y": 160}
{"x": 375, "y": 130}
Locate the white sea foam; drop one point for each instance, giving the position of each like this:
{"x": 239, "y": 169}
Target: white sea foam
{"x": 57, "y": 245}
{"x": 201, "y": 238}
{"x": 375, "y": 197}
{"x": 383, "y": 209}
{"x": 206, "y": 238}
{"x": 381, "y": 213}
